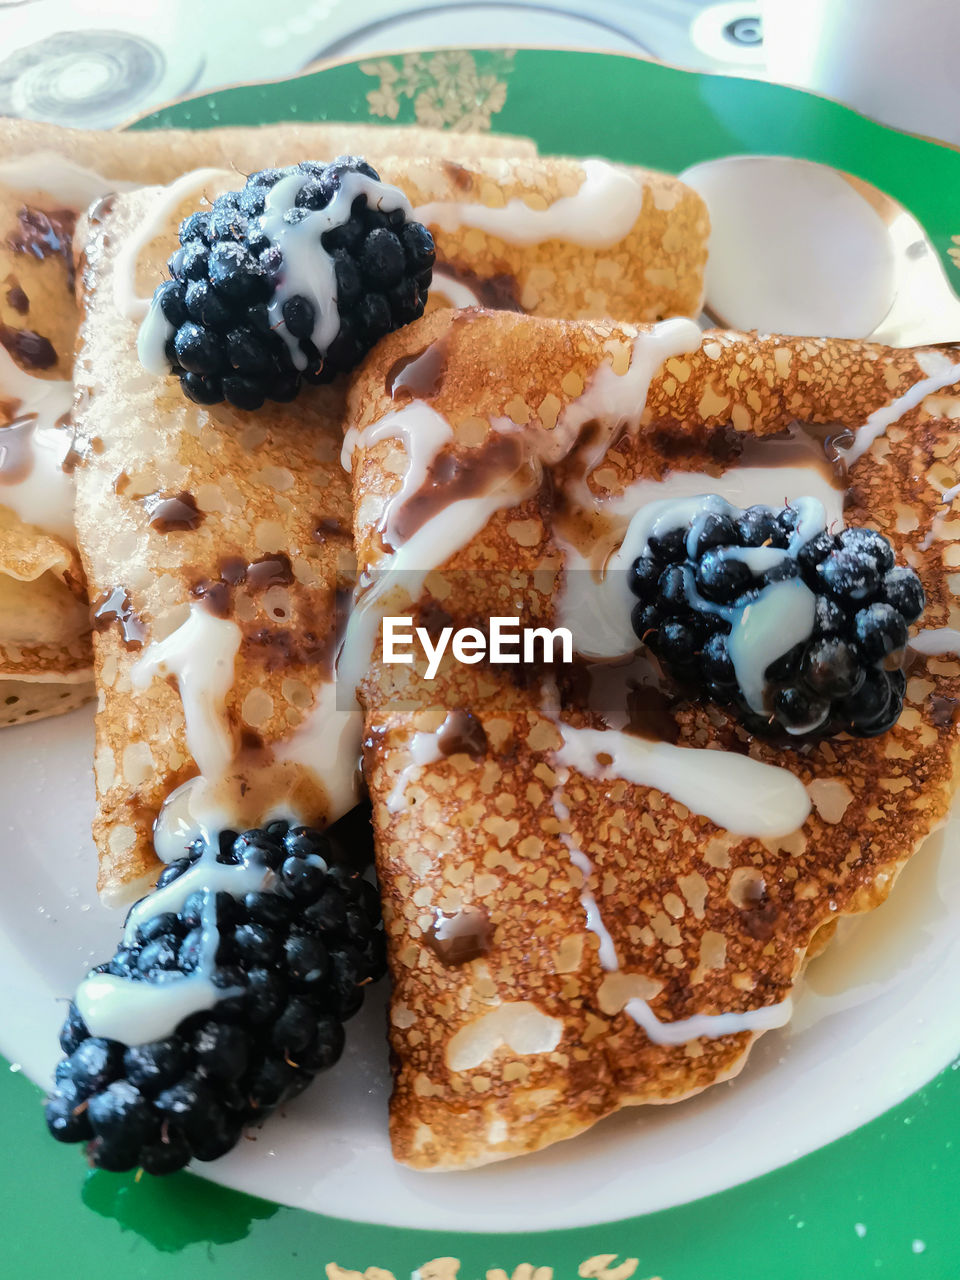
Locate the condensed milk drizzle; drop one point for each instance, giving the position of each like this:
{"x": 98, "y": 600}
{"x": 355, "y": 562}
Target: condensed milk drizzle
{"x": 597, "y": 216}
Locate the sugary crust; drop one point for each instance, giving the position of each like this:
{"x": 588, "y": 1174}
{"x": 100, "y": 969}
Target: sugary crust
{"x": 672, "y": 888}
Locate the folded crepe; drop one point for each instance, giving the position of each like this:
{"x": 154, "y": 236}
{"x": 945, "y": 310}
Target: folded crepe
{"x": 48, "y": 177}
{"x": 562, "y": 237}
{"x": 581, "y": 918}
{"x": 45, "y": 652}
{"x": 211, "y": 541}
{"x": 173, "y": 500}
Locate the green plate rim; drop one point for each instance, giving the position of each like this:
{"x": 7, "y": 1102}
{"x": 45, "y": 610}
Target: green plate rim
{"x": 881, "y": 1199}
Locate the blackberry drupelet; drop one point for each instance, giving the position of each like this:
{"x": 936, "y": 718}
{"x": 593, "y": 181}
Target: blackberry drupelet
{"x": 243, "y": 318}
{"x": 693, "y": 583}
{"x": 294, "y": 957}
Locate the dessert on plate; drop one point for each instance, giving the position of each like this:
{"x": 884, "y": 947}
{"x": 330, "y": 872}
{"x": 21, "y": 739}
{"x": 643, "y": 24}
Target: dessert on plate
{"x": 601, "y": 882}
{"x": 601, "y": 873}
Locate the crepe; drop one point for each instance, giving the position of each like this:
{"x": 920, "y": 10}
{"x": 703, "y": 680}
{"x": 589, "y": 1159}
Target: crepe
{"x": 45, "y": 652}
{"x": 563, "y": 940}
{"x": 144, "y": 156}
{"x": 561, "y": 237}
{"x": 59, "y": 172}
{"x": 137, "y": 437}
{"x": 48, "y": 177}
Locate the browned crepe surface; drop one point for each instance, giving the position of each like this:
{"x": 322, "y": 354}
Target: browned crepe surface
{"x": 702, "y": 921}
{"x": 654, "y": 270}
{"x": 45, "y": 653}
{"x": 264, "y": 486}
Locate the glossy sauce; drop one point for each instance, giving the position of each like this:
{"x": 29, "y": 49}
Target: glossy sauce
{"x": 16, "y": 449}
{"x": 43, "y": 234}
{"x": 30, "y": 350}
{"x": 462, "y": 731}
{"x": 179, "y": 514}
{"x": 419, "y": 377}
{"x": 17, "y": 299}
{"x": 114, "y": 606}
{"x": 450, "y": 479}
{"x": 456, "y": 939}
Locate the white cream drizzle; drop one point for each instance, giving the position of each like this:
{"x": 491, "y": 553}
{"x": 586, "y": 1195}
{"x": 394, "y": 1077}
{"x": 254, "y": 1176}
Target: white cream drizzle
{"x": 936, "y": 640}
{"x": 424, "y": 749}
{"x": 154, "y": 334}
{"x": 606, "y": 951}
{"x": 190, "y": 812}
{"x": 44, "y": 497}
{"x": 164, "y": 201}
{"x": 941, "y": 372}
{"x": 618, "y": 399}
{"x": 598, "y": 216}
{"x": 424, "y": 433}
{"x": 328, "y": 742}
{"x": 455, "y": 291}
{"x": 205, "y": 876}
{"x": 708, "y": 1025}
{"x": 307, "y": 269}
{"x": 738, "y": 793}
{"x": 138, "y": 1012}
{"x": 579, "y": 752}
{"x": 70, "y": 184}
{"x": 201, "y": 655}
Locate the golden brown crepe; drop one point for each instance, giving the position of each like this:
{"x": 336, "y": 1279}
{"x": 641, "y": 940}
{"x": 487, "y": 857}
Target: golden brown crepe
{"x": 260, "y": 487}
{"x": 561, "y": 237}
{"x": 507, "y": 1033}
{"x": 185, "y": 509}
{"x": 45, "y": 653}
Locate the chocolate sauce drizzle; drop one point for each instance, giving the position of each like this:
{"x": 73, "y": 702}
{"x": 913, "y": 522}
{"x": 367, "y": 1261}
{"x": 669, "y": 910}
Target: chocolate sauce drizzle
{"x": 45, "y": 234}
{"x": 462, "y": 732}
{"x": 29, "y": 349}
{"x": 498, "y": 293}
{"x": 419, "y": 376}
{"x": 465, "y": 935}
{"x": 16, "y": 297}
{"x": 328, "y": 527}
{"x": 114, "y": 606}
{"x": 450, "y": 479}
{"x": 177, "y": 514}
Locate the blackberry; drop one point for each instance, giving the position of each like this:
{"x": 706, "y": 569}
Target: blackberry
{"x": 291, "y": 279}
{"x": 293, "y": 959}
{"x": 843, "y": 608}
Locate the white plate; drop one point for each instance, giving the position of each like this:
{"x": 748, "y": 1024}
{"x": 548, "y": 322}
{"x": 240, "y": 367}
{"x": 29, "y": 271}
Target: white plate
{"x": 884, "y": 993}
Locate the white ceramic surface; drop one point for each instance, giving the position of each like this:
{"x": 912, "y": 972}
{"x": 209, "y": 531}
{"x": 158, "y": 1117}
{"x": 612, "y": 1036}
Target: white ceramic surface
{"x": 878, "y": 1017}
{"x": 794, "y": 248}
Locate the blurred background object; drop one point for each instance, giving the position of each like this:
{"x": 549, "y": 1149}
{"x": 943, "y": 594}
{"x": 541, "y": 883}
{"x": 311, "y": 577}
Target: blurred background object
{"x": 96, "y": 63}
{"x": 894, "y": 60}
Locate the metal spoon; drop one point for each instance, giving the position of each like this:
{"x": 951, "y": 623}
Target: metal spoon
{"x": 803, "y": 248}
